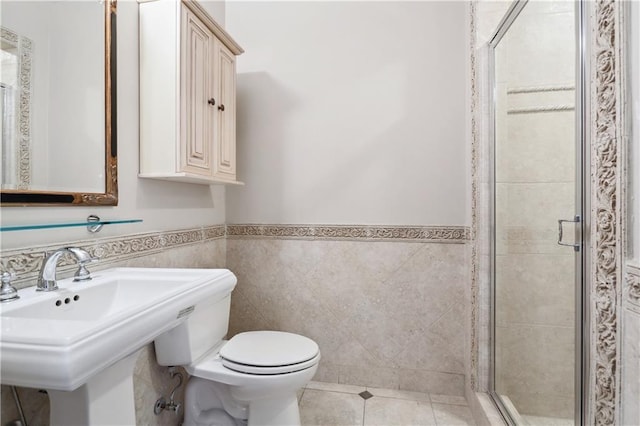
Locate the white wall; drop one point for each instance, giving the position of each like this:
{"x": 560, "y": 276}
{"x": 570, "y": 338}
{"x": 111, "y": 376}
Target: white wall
{"x": 350, "y": 112}
{"x": 162, "y": 205}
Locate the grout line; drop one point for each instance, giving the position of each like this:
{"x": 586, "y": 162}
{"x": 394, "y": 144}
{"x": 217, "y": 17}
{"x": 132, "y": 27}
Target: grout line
{"x": 434, "y": 322}
{"x": 371, "y": 389}
{"x": 364, "y": 411}
{"x": 433, "y": 413}
{"x": 403, "y": 399}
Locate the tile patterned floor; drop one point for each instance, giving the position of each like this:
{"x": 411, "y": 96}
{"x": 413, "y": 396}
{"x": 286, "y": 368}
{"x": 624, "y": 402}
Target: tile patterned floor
{"x": 328, "y": 404}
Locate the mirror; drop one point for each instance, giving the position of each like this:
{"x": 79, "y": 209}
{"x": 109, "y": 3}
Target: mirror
{"x": 57, "y": 103}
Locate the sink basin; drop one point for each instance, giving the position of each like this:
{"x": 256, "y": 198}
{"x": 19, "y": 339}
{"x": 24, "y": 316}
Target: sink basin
{"x": 59, "y": 340}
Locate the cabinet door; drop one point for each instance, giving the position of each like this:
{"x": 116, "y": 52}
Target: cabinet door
{"x": 225, "y": 141}
{"x": 198, "y": 105}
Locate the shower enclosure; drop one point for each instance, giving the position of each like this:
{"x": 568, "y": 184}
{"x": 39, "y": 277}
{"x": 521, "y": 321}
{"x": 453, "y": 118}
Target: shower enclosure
{"x": 537, "y": 266}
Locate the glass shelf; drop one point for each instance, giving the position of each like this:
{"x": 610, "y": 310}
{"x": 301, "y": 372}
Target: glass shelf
{"x": 88, "y": 224}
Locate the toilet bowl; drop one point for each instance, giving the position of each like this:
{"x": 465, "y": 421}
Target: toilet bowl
{"x": 252, "y": 379}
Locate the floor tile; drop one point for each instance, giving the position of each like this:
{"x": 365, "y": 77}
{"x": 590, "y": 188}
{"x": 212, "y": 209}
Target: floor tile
{"x": 322, "y": 408}
{"x": 452, "y": 415}
{"x": 391, "y": 411}
{"x": 448, "y": 399}
{"x": 400, "y": 394}
{"x": 334, "y": 387}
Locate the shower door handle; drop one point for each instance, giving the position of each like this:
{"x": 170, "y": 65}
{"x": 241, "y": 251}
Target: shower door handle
{"x": 576, "y": 247}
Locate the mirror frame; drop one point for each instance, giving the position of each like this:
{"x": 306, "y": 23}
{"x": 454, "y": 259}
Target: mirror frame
{"x": 110, "y": 196}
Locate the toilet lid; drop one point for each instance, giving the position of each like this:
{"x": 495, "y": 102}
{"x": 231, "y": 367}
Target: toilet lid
{"x": 268, "y": 349}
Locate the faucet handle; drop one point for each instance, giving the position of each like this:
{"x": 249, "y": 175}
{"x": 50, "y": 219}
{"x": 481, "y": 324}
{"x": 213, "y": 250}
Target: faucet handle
{"x": 81, "y": 255}
{"x": 7, "y": 277}
{"x": 83, "y": 274}
{"x": 7, "y": 291}
{"x": 83, "y": 258}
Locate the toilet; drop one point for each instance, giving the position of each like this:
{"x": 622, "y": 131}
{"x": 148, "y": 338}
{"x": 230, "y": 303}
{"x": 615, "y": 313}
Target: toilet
{"x": 251, "y": 379}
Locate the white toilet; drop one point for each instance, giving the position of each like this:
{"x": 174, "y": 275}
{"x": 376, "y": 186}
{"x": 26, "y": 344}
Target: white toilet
{"x": 251, "y": 379}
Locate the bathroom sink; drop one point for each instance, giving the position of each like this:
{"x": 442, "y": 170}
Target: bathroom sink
{"x": 59, "y": 340}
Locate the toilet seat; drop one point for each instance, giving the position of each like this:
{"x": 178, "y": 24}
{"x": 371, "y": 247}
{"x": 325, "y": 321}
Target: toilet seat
{"x": 269, "y": 352}
{"x": 280, "y": 369}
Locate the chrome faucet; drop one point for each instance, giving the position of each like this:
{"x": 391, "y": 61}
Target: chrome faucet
{"x": 47, "y": 276}
{"x": 7, "y": 291}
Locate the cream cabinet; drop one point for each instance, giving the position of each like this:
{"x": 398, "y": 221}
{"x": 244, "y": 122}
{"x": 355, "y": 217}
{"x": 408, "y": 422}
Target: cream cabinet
{"x": 187, "y": 94}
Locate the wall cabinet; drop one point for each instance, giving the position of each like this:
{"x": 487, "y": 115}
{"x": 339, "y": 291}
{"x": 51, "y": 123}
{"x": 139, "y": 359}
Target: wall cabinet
{"x": 187, "y": 94}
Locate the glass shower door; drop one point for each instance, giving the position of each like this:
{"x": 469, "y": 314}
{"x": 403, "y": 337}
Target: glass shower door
{"x": 536, "y": 193}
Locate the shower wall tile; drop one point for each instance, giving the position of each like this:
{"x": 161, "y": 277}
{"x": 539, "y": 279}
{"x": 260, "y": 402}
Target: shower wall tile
{"x": 536, "y": 289}
{"x": 527, "y": 217}
{"x": 536, "y": 57}
{"x": 375, "y": 308}
{"x": 150, "y": 380}
{"x": 536, "y": 367}
{"x": 536, "y": 148}
{"x": 549, "y": 406}
{"x": 539, "y": 205}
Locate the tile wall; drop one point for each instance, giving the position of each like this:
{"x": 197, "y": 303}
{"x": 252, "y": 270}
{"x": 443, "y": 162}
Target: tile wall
{"x": 387, "y": 314}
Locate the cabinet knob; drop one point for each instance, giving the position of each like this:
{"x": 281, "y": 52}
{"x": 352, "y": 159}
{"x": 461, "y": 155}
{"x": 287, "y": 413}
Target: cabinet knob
{"x": 211, "y": 101}
{"x": 221, "y": 107}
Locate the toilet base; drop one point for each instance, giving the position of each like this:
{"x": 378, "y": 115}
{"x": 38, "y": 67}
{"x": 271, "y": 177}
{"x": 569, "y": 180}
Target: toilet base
{"x": 210, "y": 403}
{"x": 281, "y": 411}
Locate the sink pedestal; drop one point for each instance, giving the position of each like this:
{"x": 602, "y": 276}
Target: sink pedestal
{"x": 106, "y": 399}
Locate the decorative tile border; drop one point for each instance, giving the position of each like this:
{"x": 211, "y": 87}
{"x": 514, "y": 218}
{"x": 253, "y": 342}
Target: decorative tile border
{"x": 25, "y": 263}
{"x": 606, "y": 116}
{"x": 474, "y": 266}
{"x": 438, "y": 234}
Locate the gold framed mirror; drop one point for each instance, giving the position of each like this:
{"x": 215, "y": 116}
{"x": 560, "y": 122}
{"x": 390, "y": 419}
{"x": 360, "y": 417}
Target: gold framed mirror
{"x": 58, "y": 115}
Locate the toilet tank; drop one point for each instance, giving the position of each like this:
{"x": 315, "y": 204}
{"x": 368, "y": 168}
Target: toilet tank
{"x": 200, "y": 332}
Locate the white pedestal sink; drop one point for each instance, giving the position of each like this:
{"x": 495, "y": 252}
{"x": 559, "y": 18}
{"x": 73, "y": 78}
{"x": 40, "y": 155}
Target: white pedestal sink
{"x": 106, "y": 399}
{"x": 80, "y": 343}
